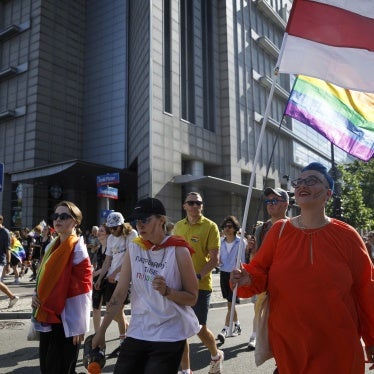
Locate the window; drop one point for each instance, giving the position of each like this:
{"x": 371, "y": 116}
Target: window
{"x": 187, "y": 61}
{"x": 208, "y": 63}
{"x": 167, "y": 57}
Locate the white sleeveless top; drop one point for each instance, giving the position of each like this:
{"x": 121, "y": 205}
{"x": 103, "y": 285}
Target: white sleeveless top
{"x": 153, "y": 316}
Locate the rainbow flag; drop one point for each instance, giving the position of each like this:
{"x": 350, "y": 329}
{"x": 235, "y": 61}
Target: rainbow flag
{"x": 345, "y": 117}
{"x": 17, "y": 250}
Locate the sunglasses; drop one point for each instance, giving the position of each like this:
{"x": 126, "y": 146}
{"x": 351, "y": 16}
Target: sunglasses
{"x": 308, "y": 181}
{"x": 228, "y": 226}
{"x": 62, "y": 216}
{"x": 143, "y": 221}
{"x": 114, "y": 228}
{"x": 274, "y": 201}
{"x": 191, "y": 203}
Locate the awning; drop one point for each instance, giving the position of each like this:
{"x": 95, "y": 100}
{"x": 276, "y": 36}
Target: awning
{"x": 206, "y": 181}
{"x": 40, "y": 172}
{"x": 76, "y": 168}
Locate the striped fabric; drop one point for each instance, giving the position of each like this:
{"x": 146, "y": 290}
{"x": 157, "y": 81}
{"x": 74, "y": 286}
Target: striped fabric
{"x": 64, "y": 284}
{"x": 344, "y": 117}
{"x": 331, "y": 40}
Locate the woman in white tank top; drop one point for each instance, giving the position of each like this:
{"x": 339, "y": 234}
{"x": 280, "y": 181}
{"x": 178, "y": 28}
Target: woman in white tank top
{"x": 163, "y": 289}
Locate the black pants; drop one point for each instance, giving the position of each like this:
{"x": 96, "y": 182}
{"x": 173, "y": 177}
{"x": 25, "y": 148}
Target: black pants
{"x": 57, "y": 354}
{"x": 145, "y": 357}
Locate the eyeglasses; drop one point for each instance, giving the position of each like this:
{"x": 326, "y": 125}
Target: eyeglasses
{"x": 191, "y": 203}
{"x": 308, "y": 181}
{"x": 62, "y": 216}
{"x": 274, "y": 201}
{"x": 144, "y": 221}
{"x": 228, "y": 226}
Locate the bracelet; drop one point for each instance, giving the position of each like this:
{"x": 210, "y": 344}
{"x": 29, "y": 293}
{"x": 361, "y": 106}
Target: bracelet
{"x": 167, "y": 291}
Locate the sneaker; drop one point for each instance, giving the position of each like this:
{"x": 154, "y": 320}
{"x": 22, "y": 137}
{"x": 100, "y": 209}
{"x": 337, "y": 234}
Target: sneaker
{"x": 252, "y": 343}
{"x": 216, "y": 365}
{"x": 115, "y": 353}
{"x": 13, "y": 302}
{"x": 16, "y": 281}
{"x": 222, "y": 336}
{"x": 237, "y": 329}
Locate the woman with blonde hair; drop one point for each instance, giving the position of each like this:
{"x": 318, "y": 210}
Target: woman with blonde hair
{"x": 62, "y": 300}
{"x": 163, "y": 287}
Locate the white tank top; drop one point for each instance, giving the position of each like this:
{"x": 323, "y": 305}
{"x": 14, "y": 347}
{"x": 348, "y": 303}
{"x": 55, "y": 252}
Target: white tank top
{"x": 155, "y": 317}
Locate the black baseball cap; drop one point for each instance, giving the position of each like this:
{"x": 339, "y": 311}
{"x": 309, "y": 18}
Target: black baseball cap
{"x": 147, "y": 207}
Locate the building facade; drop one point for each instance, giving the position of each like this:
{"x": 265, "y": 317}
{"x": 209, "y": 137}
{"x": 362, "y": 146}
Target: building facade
{"x": 170, "y": 94}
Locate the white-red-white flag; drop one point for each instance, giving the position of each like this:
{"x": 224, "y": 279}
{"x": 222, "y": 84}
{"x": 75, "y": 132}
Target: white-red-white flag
{"x": 332, "y": 40}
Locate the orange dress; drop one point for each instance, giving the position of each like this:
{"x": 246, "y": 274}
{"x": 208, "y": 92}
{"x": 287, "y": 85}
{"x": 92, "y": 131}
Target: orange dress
{"x": 321, "y": 287}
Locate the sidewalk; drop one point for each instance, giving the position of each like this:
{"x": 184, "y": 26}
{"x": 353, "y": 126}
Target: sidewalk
{"x": 22, "y": 310}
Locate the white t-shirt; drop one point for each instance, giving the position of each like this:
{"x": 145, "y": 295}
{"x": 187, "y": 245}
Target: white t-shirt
{"x": 116, "y": 248}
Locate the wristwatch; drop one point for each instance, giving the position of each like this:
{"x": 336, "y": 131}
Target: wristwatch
{"x": 198, "y": 276}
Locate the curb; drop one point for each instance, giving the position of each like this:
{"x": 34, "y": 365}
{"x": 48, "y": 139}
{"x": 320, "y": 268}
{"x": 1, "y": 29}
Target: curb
{"x": 23, "y": 311}
{"x": 27, "y": 315}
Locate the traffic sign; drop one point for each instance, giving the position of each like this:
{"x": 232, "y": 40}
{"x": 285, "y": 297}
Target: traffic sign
{"x": 106, "y": 191}
{"x": 105, "y": 179}
{"x": 1, "y": 176}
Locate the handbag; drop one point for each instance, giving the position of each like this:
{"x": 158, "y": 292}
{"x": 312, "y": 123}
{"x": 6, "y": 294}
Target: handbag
{"x": 263, "y": 350}
{"x": 33, "y": 334}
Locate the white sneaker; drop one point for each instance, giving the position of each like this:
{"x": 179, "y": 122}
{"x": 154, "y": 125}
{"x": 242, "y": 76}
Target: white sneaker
{"x": 13, "y": 302}
{"x": 216, "y": 365}
{"x": 252, "y": 343}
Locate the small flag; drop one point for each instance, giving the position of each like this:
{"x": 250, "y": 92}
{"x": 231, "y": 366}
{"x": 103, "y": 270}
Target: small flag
{"x": 344, "y": 117}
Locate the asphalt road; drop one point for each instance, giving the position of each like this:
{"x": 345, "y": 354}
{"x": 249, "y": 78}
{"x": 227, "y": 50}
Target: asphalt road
{"x": 19, "y": 356}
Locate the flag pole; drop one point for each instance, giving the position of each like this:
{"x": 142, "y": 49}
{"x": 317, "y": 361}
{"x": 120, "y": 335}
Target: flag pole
{"x": 249, "y": 194}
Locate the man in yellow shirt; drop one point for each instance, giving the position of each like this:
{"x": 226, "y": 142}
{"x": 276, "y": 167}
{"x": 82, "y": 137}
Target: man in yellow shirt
{"x": 203, "y": 236}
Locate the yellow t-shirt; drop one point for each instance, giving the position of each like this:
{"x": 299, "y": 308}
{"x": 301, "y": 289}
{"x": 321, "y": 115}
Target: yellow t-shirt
{"x": 202, "y": 236}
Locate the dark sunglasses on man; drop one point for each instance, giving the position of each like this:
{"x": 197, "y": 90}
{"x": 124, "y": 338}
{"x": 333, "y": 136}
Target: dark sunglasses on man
{"x": 191, "y": 203}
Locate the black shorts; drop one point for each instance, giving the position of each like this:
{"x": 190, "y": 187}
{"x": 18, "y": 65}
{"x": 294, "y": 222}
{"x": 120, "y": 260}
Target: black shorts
{"x": 108, "y": 292}
{"x": 202, "y": 306}
{"x": 36, "y": 253}
{"x": 225, "y": 286}
{"x": 14, "y": 261}
{"x": 97, "y": 295}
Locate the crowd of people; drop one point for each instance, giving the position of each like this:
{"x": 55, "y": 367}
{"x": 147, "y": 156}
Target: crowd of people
{"x": 165, "y": 271}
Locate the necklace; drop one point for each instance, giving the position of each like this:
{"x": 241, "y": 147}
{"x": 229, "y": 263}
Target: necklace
{"x": 154, "y": 263}
{"x": 301, "y": 225}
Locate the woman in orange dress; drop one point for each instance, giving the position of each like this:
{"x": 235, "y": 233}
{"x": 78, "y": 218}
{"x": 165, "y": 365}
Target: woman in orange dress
{"x": 319, "y": 278}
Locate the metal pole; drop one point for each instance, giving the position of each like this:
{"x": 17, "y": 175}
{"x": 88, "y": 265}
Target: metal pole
{"x": 250, "y": 188}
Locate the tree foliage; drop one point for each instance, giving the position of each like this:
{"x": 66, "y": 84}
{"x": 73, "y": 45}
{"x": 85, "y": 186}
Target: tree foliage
{"x": 357, "y": 198}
